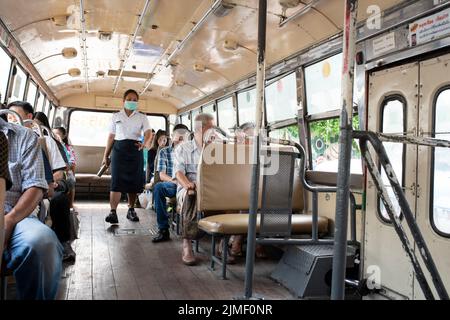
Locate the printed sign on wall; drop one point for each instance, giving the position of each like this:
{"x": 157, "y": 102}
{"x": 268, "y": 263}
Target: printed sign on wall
{"x": 429, "y": 28}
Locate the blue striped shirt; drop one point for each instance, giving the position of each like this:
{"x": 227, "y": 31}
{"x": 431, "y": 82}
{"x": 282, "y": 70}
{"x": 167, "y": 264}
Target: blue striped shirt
{"x": 25, "y": 162}
{"x": 165, "y": 161}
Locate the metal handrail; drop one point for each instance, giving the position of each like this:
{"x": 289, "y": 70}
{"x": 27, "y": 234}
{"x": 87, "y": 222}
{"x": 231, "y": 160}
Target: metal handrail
{"x": 375, "y": 140}
{"x": 9, "y": 111}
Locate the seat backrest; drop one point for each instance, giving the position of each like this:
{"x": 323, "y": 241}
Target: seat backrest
{"x": 89, "y": 159}
{"x": 224, "y": 179}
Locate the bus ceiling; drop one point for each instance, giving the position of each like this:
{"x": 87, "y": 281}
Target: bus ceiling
{"x": 173, "y": 52}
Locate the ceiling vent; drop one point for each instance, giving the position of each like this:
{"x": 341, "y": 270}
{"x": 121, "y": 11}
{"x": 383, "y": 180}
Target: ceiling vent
{"x": 105, "y": 35}
{"x": 129, "y": 74}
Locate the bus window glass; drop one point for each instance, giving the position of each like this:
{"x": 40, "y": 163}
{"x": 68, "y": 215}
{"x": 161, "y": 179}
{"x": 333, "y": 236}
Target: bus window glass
{"x": 393, "y": 122}
{"x": 441, "y": 175}
{"x": 210, "y": 109}
{"x": 227, "y": 115}
{"x": 325, "y": 146}
{"x": 51, "y": 114}
{"x": 157, "y": 123}
{"x": 31, "y": 95}
{"x": 5, "y": 66}
{"x": 89, "y": 128}
{"x": 323, "y": 85}
{"x": 185, "y": 120}
{"x": 281, "y": 99}
{"x": 41, "y": 102}
{"x": 247, "y": 106}
{"x": 20, "y": 82}
{"x": 289, "y": 133}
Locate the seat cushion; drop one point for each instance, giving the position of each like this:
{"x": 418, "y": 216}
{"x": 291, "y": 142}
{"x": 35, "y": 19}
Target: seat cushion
{"x": 238, "y": 224}
{"x": 83, "y": 179}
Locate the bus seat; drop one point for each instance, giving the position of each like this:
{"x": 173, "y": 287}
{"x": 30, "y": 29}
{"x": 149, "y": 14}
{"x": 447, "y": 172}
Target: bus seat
{"x": 330, "y": 179}
{"x": 234, "y": 224}
{"x": 2, "y": 204}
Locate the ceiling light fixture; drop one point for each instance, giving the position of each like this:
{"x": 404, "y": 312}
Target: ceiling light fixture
{"x": 67, "y": 53}
{"x": 199, "y": 67}
{"x": 182, "y": 83}
{"x": 232, "y": 45}
{"x": 74, "y": 72}
{"x": 131, "y": 43}
{"x": 105, "y": 35}
{"x": 300, "y": 12}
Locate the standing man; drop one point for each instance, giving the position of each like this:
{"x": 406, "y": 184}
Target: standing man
{"x": 127, "y": 158}
{"x": 168, "y": 185}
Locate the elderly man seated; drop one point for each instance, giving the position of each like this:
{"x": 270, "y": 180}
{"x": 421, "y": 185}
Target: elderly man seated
{"x": 32, "y": 250}
{"x": 187, "y": 157}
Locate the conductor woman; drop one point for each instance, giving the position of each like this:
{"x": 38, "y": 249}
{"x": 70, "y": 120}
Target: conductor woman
{"x": 127, "y": 159}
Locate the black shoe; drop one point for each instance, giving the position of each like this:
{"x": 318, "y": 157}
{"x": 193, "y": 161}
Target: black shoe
{"x": 112, "y": 218}
{"x": 163, "y": 235}
{"x": 69, "y": 255}
{"x": 131, "y": 215}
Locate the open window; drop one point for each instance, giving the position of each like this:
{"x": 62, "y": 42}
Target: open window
{"x": 5, "y": 67}
{"x": 227, "y": 114}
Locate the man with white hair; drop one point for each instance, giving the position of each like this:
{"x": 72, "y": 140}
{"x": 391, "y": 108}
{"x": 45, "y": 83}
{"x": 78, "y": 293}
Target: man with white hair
{"x": 187, "y": 158}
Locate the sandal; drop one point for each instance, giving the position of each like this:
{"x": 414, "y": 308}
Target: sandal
{"x": 230, "y": 257}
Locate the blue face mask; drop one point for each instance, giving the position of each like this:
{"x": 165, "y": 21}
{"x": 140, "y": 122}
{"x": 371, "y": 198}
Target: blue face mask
{"x": 131, "y": 105}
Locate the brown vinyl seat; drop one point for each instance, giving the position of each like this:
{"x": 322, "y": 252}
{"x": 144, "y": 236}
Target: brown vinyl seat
{"x": 234, "y": 224}
{"x": 225, "y": 187}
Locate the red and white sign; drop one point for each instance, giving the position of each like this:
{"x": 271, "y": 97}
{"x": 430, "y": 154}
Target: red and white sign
{"x": 429, "y": 28}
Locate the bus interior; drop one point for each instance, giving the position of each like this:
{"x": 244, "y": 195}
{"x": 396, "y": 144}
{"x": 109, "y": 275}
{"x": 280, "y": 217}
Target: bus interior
{"x": 314, "y": 77}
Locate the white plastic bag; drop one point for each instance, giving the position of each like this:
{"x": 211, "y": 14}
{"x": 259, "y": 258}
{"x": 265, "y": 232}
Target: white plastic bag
{"x": 145, "y": 199}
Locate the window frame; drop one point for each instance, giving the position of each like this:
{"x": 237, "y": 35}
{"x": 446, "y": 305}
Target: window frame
{"x": 10, "y": 74}
{"x": 432, "y": 166}
{"x": 385, "y": 101}
{"x": 233, "y": 98}
{"x": 269, "y": 83}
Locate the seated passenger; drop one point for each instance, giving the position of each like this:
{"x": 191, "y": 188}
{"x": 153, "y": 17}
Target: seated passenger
{"x": 159, "y": 142}
{"x": 61, "y": 134}
{"x": 59, "y": 201}
{"x": 32, "y": 249}
{"x": 187, "y": 157}
{"x": 167, "y": 187}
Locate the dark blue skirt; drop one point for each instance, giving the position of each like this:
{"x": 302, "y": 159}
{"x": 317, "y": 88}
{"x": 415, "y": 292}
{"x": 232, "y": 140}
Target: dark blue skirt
{"x": 127, "y": 167}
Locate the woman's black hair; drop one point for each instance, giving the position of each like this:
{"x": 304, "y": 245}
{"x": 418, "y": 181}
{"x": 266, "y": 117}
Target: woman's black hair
{"x": 158, "y": 135}
{"x": 42, "y": 118}
{"x": 64, "y": 133}
{"x": 128, "y": 92}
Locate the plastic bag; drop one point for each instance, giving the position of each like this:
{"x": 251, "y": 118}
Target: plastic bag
{"x": 145, "y": 199}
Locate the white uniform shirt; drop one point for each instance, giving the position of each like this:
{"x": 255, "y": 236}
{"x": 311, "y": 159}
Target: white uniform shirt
{"x": 56, "y": 159}
{"x": 129, "y": 127}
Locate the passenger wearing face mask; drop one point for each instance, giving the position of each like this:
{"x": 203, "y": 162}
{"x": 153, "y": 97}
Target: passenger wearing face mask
{"x": 127, "y": 159}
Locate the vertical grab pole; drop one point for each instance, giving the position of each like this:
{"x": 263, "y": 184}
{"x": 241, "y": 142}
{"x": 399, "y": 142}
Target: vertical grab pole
{"x": 260, "y": 87}
{"x": 345, "y": 149}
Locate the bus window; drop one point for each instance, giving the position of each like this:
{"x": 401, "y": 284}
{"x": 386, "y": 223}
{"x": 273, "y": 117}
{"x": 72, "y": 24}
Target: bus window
{"x": 323, "y": 85}
{"x": 210, "y": 109}
{"x": 246, "y": 106}
{"x": 89, "y": 128}
{"x": 393, "y": 121}
{"x": 31, "y": 95}
{"x": 157, "y": 123}
{"x": 51, "y": 114}
{"x": 20, "y": 81}
{"x": 289, "y": 133}
{"x": 40, "y": 103}
{"x": 281, "y": 99}
{"x": 185, "y": 120}
{"x": 325, "y": 146}
{"x": 440, "y": 218}
{"x": 5, "y": 66}
{"x": 227, "y": 114}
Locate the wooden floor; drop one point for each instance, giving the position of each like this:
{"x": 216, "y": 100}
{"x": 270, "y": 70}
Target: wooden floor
{"x": 110, "y": 266}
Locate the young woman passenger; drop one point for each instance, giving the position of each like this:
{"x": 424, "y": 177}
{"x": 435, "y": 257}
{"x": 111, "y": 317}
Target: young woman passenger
{"x": 127, "y": 158}
{"x": 61, "y": 134}
{"x": 160, "y": 141}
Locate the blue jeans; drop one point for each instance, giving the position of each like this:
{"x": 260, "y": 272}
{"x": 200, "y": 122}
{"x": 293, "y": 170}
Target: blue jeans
{"x": 160, "y": 192}
{"x": 35, "y": 256}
